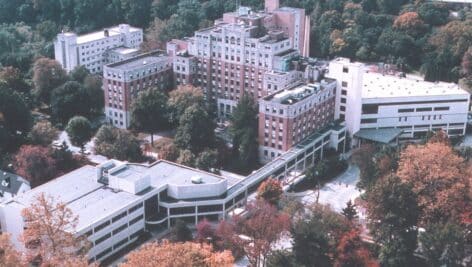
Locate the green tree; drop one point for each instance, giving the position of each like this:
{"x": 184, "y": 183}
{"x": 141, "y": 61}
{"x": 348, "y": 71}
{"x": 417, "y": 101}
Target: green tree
{"x": 182, "y": 98}
{"x": 118, "y": 144}
{"x": 207, "y": 160}
{"x": 350, "y": 211}
{"x": 281, "y": 258}
{"x": 180, "y": 232}
{"x": 394, "y": 212}
{"x": 15, "y": 119}
{"x": 186, "y": 157}
{"x": 443, "y": 244}
{"x": 196, "y": 130}
{"x": 79, "y": 130}
{"x": 48, "y": 74}
{"x": 149, "y": 112}
{"x": 69, "y": 100}
{"x": 42, "y": 133}
{"x": 244, "y": 126}
{"x": 79, "y": 74}
{"x": 136, "y": 12}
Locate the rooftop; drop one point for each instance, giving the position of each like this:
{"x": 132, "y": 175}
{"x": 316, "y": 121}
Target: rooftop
{"x": 298, "y": 93}
{"x": 98, "y": 35}
{"x": 92, "y": 201}
{"x": 125, "y": 50}
{"x": 376, "y": 85}
{"x": 10, "y": 183}
{"x": 139, "y": 61}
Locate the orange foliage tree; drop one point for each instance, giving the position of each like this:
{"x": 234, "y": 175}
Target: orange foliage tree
{"x": 256, "y": 233}
{"x": 35, "y": 163}
{"x": 9, "y": 256}
{"x": 409, "y": 22}
{"x": 352, "y": 252}
{"x": 49, "y": 234}
{"x": 270, "y": 190}
{"x": 178, "y": 255}
{"x": 440, "y": 178}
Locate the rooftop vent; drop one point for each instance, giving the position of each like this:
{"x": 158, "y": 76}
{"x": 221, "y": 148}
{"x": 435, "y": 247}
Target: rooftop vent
{"x": 197, "y": 180}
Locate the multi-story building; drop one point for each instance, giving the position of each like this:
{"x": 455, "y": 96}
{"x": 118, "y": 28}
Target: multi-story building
{"x": 122, "y": 82}
{"x": 90, "y": 50}
{"x": 379, "y": 104}
{"x": 231, "y": 58}
{"x": 289, "y": 116}
{"x": 116, "y": 202}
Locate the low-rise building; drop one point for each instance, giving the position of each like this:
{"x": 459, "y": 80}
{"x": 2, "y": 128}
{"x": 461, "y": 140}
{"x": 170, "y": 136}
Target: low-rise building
{"x": 12, "y": 185}
{"x": 379, "y": 104}
{"x": 122, "y": 82}
{"x": 90, "y": 50}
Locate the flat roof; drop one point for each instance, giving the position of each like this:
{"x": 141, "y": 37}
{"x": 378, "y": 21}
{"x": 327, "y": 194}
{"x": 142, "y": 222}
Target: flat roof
{"x": 139, "y": 61}
{"x": 10, "y": 182}
{"x": 98, "y": 35}
{"x": 124, "y": 50}
{"x": 295, "y": 94}
{"x": 378, "y": 85}
{"x": 93, "y": 201}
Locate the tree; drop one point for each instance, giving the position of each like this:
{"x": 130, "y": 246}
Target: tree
{"x": 440, "y": 178}
{"x": 9, "y": 256}
{"x": 182, "y": 98}
{"x": 13, "y": 79}
{"x": 244, "y": 125}
{"x": 35, "y": 164}
{"x": 118, "y": 144}
{"x": 207, "y": 160}
{"x": 350, "y": 211}
{"x": 149, "y": 112}
{"x": 69, "y": 100}
{"x": 205, "y": 231}
{"x": 42, "y": 133}
{"x": 79, "y": 130}
{"x": 410, "y": 22}
{"x": 316, "y": 235}
{"x": 154, "y": 35}
{"x": 363, "y": 157}
{"x": 95, "y": 96}
{"x": 443, "y": 244}
{"x": 166, "y": 149}
{"x": 178, "y": 255}
{"x": 79, "y": 74}
{"x": 15, "y": 118}
{"x": 186, "y": 157}
{"x": 254, "y": 235}
{"x": 393, "y": 212}
{"x": 49, "y": 233}
{"x": 270, "y": 190}
{"x": 351, "y": 252}
{"x": 281, "y": 258}
{"x": 180, "y": 232}
{"x": 47, "y": 75}
{"x": 434, "y": 14}
{"x": 196, "y": 130}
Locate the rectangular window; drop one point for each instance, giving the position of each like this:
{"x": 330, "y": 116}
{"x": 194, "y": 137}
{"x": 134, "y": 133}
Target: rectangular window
{"x": 135, "y": 208}
{"x": 423, "y": 109}
{"x": 405, "y": 110}
{"x": 136, "y": 234}
{"x": 119, "y": 216}
{"x": 344, "y": 84}
{"x": 368, "y": 121}
{"x": 120, "y": 243}
{"x": 101, "y": 226}
{"x": 103, "y": 238}
{"x": 441, "y": 108}
{"x": 103, "y": 253}
{"x": 345, "y": 69}
{"x": 119, "y": 229}
{"x": 343, "y": 100}
{"x": 343, "y": 92}
{"x": 135, "y": 220}
{"x": 370, "y": 109}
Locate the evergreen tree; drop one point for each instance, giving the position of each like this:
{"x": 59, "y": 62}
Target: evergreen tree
{"x": 180, "y": 232}
{"x": 244, "y": 126}
{"x": 79, "y": 130}
{"x": 350, "y": 211}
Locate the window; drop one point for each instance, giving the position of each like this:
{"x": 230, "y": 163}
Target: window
{"x": 119, "y": 229}
{"x": 119, "y": 216}
{"x": 136, "y": 234}
{"x": 343, "y": 108}
{"x": 423, "y": 109}
{"x": 135, "y": 220}
{"x": 135, "y": 208}
{"x": 405, "y": 110}
{"x": 368, "y": 121}
{"x": 345, "y": 69}
{"x": 103, "y": 253}
{"x": 120, "y": 243}
{"x": 103, "y": 238}
{"x": 101, "y": 226}
{"x": 344, "y": 84}
{"x": 343, "y": 100}
{"x": 441, "y": 108}
{"x": 370, "y": 109}
{"x": 343, "y": 92}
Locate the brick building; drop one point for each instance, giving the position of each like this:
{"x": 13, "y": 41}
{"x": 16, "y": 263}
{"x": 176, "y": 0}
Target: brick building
{"x": 291, "y": 115}
{"x": 123, "y": 81}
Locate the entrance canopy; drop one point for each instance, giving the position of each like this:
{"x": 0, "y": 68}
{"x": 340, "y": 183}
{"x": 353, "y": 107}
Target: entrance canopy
{"x": 384, "y": 136}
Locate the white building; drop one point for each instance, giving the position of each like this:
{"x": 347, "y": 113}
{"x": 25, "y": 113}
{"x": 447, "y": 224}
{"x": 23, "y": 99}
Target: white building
{"x": 116, "y": 202}
{"x": 378, "y": 104}
{"x": 90, "y": 50}
{"x": 12, "y": 185}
